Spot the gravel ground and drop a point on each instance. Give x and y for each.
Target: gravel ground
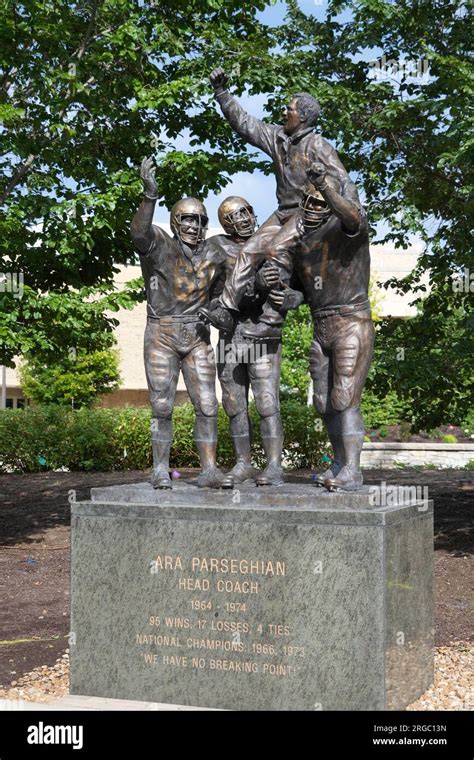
(453, 687)
(43, 684)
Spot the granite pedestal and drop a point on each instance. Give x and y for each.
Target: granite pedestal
(285, 598)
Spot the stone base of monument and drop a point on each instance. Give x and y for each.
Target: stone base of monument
(286, 598)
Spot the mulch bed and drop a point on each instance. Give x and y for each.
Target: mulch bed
(34, 557)
(402, 434)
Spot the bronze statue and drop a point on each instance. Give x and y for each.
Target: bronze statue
(327, 245)
(180, 275)
(293, 147)
(242, 363)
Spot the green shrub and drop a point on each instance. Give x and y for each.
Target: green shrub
(305, 436)
(297, 336)
(75, 379)
(449, 438)
(405, 431)
(468, 424)
(53, 437)
(381, 413)
(431, 433)
(434, 375)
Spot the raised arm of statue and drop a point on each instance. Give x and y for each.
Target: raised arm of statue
(347, 210)
(335, 167)
(143, 234)
(253, 130)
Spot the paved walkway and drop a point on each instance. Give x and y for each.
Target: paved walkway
(73, 702)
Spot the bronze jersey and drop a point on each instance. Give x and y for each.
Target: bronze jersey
(179, 280)
(332, 265)
(251, 304)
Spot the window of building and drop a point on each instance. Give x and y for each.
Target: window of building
(15, 403)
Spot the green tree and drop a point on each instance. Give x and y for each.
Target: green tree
(76, 380)
(408, 137)
(87, 89)
(406, 134)
(431, 373)
(297, 336)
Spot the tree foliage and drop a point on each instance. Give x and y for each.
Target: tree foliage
(431, 373)
(407, 135)
(87, 89)
(76, 380)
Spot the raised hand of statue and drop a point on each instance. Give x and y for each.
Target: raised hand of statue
(147, 176)
(218, 80)
(317, 173)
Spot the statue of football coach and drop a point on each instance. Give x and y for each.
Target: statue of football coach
(293, 147)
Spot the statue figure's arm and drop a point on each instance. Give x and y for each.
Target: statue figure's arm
(143, 234)
(348, 211)
(335, 167)
(253, 130)
(286, 299)
(218, 285)
(282, 296)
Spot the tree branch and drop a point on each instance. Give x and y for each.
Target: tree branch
(90, 30)
(17, 177)
(25, 168)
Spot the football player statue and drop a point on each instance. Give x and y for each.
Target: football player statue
(180, 273)
(243, 363)
(328, 249)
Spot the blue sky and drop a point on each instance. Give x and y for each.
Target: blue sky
(274, 15)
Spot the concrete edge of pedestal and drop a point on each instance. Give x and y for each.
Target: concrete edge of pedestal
(236, 513)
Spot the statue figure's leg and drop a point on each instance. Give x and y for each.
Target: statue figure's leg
(199, 372)
(352, 346)
(162, 372)
(232, 370)
(320, 365)
(264, 375)
(277, 251)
